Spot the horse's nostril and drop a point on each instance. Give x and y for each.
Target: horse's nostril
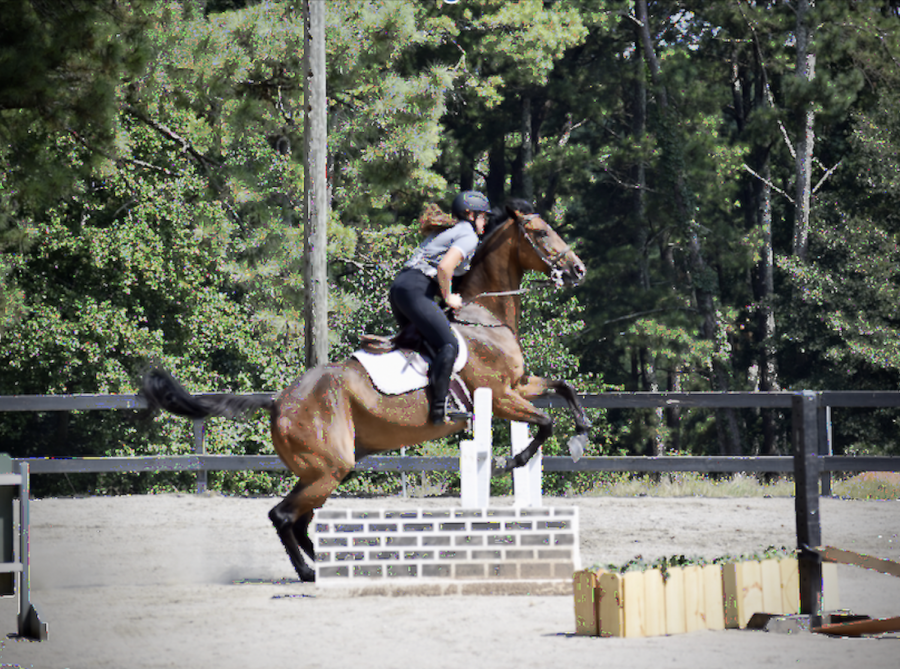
(574, 274)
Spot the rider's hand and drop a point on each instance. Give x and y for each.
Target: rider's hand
(454, 301)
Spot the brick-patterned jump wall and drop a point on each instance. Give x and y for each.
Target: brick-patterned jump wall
(412, 546)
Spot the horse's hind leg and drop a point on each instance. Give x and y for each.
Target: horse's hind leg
(293, 530)
(312, 432)
(300, 528)
(293, 515)
(282, 515)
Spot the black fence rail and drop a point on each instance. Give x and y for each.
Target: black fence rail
(810, 413)
(201, 462)
(415, 463)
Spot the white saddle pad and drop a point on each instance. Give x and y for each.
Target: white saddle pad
(402, 371)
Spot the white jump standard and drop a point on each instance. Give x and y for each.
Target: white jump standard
(15, 570)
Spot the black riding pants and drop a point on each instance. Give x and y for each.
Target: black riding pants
(412, 301)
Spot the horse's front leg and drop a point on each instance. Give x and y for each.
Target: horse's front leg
(513, 407)
(535, 386)
(532, 387)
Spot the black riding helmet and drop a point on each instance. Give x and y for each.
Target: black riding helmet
(469, 200)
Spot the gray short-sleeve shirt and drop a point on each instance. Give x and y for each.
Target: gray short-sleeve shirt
(430, 252)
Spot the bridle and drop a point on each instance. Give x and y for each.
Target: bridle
(553, 262)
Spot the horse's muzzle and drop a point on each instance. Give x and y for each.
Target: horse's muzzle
(573, 273)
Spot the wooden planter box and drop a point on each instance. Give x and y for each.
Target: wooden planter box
(710, 597)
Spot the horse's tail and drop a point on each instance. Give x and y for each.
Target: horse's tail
(162, 391)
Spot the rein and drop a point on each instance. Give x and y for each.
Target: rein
(520, 291)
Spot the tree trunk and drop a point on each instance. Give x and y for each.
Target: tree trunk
(642, 238)
(673, 413)
(522, 184)
(768, 368)
(467, 174)
(703, 279)
(764, 272)
(496, 178)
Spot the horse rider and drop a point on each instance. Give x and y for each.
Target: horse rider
(444, 254)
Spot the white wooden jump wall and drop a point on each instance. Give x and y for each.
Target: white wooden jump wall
(471, 547)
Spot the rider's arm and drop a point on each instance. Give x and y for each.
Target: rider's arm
(445, 269)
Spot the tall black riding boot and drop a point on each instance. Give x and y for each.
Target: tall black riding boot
(439, 376)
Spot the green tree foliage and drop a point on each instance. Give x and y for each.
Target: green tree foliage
(62, 67)
(177, 238)
(152, 173)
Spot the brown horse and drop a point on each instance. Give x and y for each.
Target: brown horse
(333, 416)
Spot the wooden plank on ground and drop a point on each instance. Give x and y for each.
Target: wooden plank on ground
(654, 603)
(714, 597)
(831, 593)
(634, 604)
(694, 602)
(790, 586)
(831, 554)
(860, 627)
(770, 575)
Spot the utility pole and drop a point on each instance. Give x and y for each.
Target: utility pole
(806, 72)
(315, 185)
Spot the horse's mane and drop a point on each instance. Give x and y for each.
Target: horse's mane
(500, 215)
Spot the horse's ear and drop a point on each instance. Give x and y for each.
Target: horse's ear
(513, 213)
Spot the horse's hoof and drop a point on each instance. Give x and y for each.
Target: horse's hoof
(576, 446)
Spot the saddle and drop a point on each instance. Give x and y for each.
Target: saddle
(399, 364)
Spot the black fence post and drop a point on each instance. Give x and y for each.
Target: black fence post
(805, 428)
